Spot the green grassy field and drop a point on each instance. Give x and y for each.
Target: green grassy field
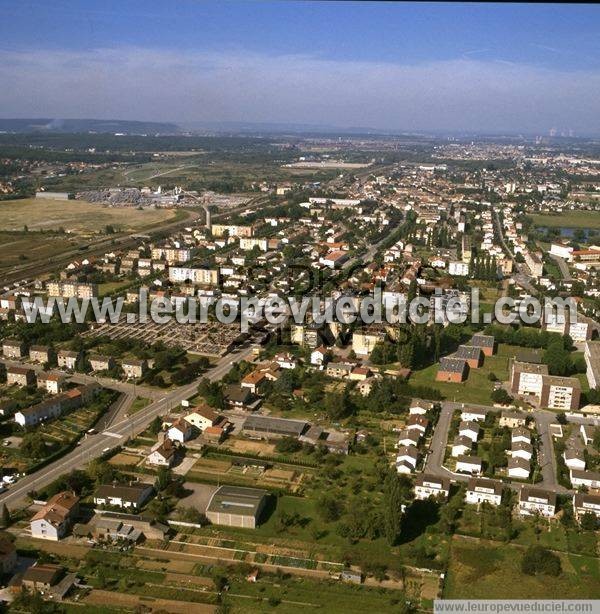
(569, 219)
(487, 570)
(477, 388)
(76, 216)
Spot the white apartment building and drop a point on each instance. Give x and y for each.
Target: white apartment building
(195, 276)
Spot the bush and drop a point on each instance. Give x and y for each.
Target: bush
(538, 560)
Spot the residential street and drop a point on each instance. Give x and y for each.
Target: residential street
(94, 446)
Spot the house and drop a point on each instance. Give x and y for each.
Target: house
(487, 343)
(521, 449)
(285, 360)
(339, 369)
(202, 417)
(21, 376)
(430, 486)
(236, 506)
(574, 458)
(589, 479)
(512, 419)
(236, 396)
(452, 370)
(52, 382)
(587, 433)
(131, 495)
(42, 578)
(518, 468)
(408, 438)
(13, 348)
(408, 454)
(584, 503)
(520, 435)
(214, 434)
(318, 356)
(469, 464)
(404, 467)
(534, 501)
(360, 373)
(54, 519)
(162, 454)
(101, 363)
(255, 381)
(417, 423)
(69, 360)
(180, 431)
(419, 407)
(365, 386)
(471, 414)
(482, 490)
(461, 445)
(473, 356)
(134, 369)
(40, 353)
(8, 555)
(469, 429)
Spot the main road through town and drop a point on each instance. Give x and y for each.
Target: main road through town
(94, 446)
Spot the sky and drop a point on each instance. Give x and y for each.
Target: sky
(436, 67)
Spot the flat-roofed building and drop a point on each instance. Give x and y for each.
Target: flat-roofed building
(236, 506)
(266, 427)
(563, 393)
(527, 377)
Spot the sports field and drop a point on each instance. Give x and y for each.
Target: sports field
(76, 216)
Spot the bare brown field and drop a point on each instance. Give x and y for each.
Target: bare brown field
(76, 216)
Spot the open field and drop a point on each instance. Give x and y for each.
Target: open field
(76, 216)
(477, 388)
(569, 219)
(488, 570)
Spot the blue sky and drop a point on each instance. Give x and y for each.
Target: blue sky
(512, 67)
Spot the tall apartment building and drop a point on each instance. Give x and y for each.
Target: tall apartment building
(203, 276)
(232, 230)
(527, 378)
(561, 393)
(71, 289)
(592, 359)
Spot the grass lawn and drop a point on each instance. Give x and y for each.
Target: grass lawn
(477, 388)
(138, 404)
(486, 570)
(569, 219)
(75, 216)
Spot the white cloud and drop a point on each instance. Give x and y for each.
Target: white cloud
(152, 84)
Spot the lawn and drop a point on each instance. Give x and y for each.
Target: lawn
(569, 219)
(76, 216)
(486, 570)
(478, 387)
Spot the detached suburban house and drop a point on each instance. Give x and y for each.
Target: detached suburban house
(132, 495)
(518, 468)
(574, 458)
(180, 431)
(419, 407)
(54, 519)
(469, 429)
(473, 415)
(13, 348)
(162, 454)
(461, 445)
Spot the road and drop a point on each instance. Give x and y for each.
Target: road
(95, 446)
(547, 461)
(81, 378)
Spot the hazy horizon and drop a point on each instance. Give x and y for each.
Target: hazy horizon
(445, 68)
